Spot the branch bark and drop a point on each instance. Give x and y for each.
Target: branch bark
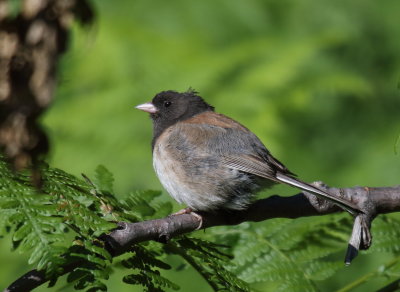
(370, 201)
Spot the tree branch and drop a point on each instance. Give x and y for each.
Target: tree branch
(370, 201)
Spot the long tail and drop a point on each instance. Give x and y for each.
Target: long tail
(352, 209)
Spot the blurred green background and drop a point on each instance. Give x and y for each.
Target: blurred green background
(317, 81)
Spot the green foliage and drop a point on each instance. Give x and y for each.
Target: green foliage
(28, 215)
(146, 263)
(287, 255)
(386, 231)
(396, 145)
(209, 261)
(62, 222)
(295, 254)
(104, 179)
(42, 220)
(386, 235)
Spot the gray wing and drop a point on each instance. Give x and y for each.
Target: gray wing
(242, 150)
(235, 148)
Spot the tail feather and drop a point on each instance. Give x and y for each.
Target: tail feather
(352, 209)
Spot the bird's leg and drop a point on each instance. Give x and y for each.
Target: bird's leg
(186, 210)
(190, 211)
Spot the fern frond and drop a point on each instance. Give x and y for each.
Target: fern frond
(147, 262)
(283, 250)
(104, 179)
(208, 260)
(386, 230)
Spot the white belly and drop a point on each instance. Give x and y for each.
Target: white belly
(167, 172)
(185, 191)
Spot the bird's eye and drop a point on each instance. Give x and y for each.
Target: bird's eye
(167, 103)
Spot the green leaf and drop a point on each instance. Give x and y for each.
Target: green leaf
(22, 232)
(104, 179)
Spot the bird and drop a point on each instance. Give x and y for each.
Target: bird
(210, 162)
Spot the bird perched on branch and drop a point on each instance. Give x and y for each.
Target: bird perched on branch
(210, 162)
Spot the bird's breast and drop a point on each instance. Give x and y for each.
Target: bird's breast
(172, 174)
(195, 175)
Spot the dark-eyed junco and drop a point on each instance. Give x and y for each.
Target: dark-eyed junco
(210, 162)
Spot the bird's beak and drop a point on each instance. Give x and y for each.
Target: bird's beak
(147, 107)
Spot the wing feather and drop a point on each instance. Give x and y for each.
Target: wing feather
(238, 148)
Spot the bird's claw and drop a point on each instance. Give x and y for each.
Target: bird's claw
(190, 211)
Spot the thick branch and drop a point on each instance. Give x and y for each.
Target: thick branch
(370, 201)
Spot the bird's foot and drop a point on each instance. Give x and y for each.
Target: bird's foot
(190, 211)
